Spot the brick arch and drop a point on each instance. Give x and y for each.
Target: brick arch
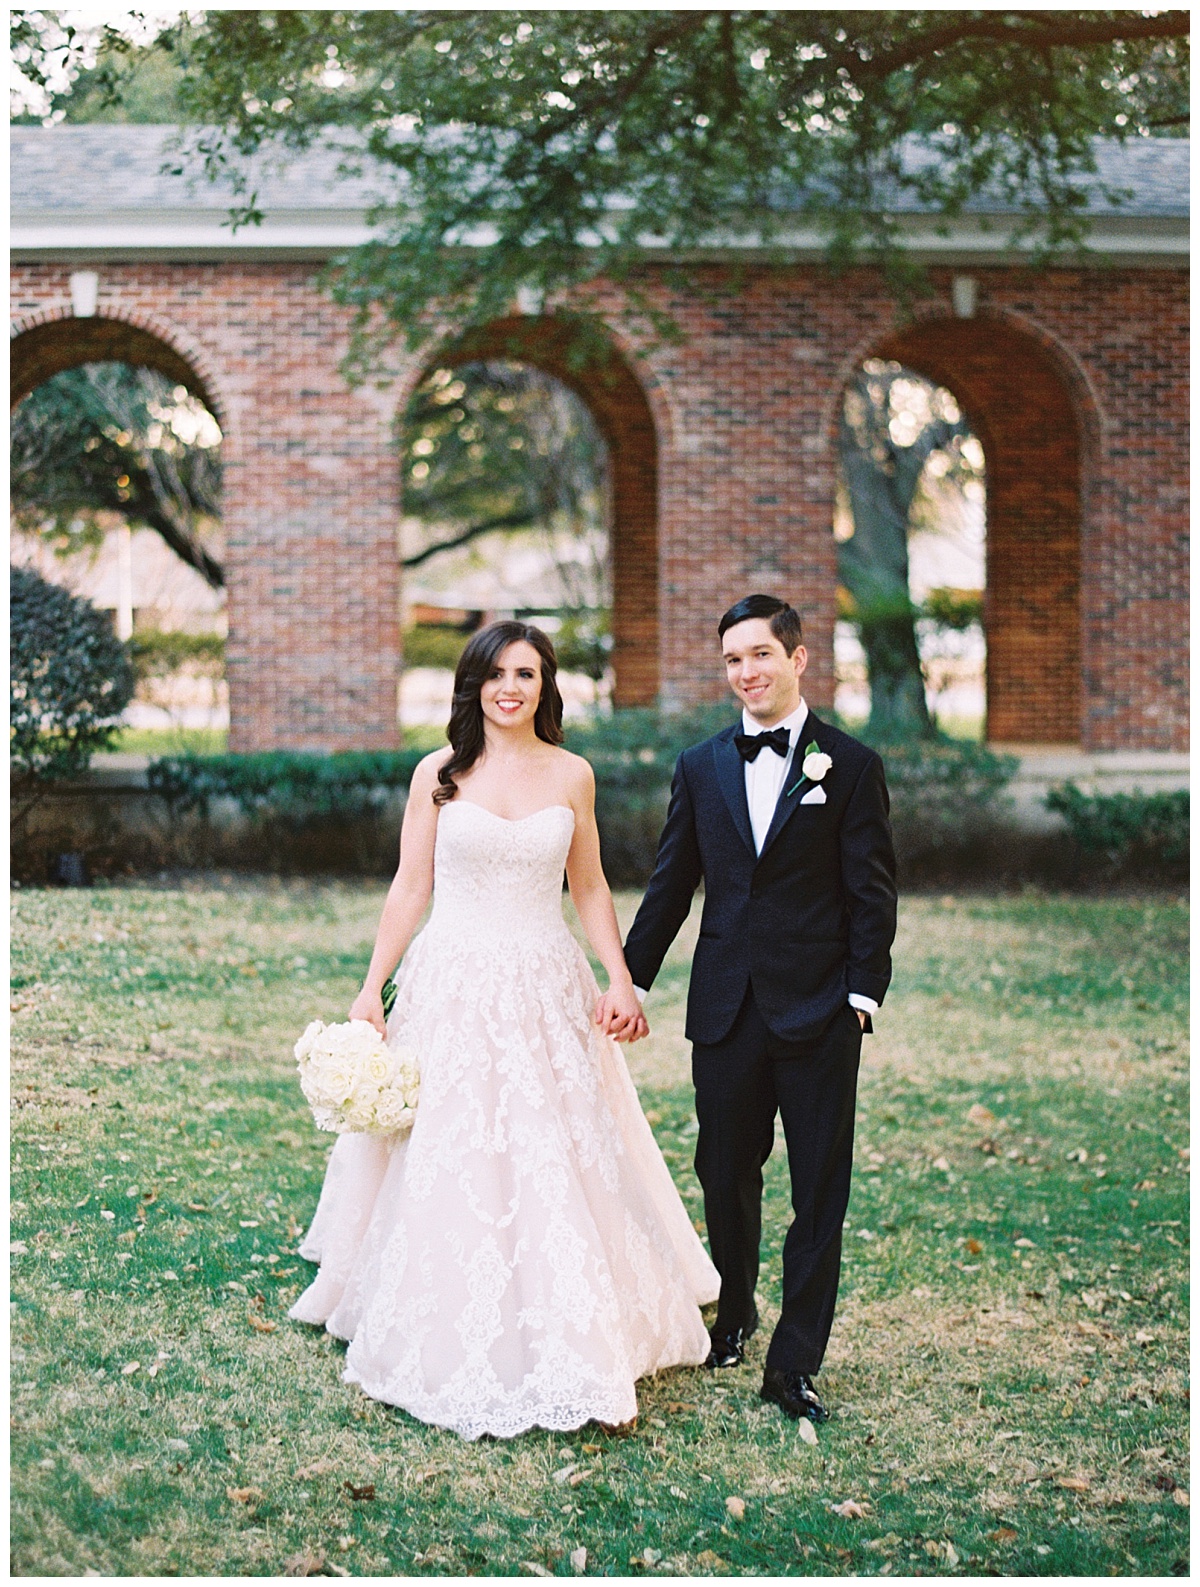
(46, 344)
(1038, 424)
(621, 406)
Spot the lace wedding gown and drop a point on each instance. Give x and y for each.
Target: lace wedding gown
(523, 1256)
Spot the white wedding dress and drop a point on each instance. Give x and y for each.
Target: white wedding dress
(523, 1257)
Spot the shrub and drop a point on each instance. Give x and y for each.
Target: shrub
(426, 645)
(70, 680)
(946, 793)
(1127, 828)
(633, 754)
(292, 787)
(160, 653)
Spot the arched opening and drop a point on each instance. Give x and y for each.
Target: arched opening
(616, 401)
(116, 494)
(505, 513)
(910, 525)
(39, 351)
(1023, 411)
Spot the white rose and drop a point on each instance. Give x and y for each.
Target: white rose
(305, 1045)
(378, 1069)
(816, 765)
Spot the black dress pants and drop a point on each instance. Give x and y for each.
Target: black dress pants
(741, 1082)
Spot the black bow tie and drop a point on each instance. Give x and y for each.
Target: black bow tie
(749, 744)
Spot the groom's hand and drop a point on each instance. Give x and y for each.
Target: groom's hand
(620, 1015)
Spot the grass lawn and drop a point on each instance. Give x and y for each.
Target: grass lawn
(1008, 1369)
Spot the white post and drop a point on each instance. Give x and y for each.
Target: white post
(124, 582)
(85, 289)
(963, 296)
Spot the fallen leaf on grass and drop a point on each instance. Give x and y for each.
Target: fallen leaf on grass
(675, 1408)
(1003, 1534)
(620, 1429)
(130, 1367)
(973, 1247)
(807, 1432)
(648, 1556)
(888, 1541)
(244, 1495)
(942, 1165)
(309, 1562)
(1182, 1496)
(363, 1491)
(576, 1477)
(850, 1510)
(532, 1568)
(707, 1560)
(316, 1468)
(1075, 1484)
(563, 1472)
(590, 1449)
(944, 1551)
(977, 1113)
(736, 1507)
(578, 1558)
(261, 1325)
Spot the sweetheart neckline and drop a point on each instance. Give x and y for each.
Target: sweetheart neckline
(512, 821)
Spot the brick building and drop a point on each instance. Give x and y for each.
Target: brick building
(723, 448)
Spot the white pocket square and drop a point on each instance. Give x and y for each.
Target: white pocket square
(814, 796)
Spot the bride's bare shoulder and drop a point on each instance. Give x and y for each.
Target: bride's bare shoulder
(424, 777)
(576, 772)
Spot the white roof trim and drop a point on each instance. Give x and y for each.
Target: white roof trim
(1145, 241)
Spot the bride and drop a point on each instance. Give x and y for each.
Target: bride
(523, 1257)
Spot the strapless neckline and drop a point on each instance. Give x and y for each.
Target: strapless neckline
(512, 821)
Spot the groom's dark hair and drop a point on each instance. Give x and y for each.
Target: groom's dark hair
(784, 620)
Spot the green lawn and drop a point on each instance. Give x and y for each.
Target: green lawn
(1008, 1369)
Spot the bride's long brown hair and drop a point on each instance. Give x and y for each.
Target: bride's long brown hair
(475, 667)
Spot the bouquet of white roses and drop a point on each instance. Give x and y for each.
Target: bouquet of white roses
(355, 1082)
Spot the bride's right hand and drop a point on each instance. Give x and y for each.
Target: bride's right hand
(369, 1006)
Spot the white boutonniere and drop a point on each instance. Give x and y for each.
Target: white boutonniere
(813, 768)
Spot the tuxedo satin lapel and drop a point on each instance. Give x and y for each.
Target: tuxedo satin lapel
(785, 808)
(731, 777)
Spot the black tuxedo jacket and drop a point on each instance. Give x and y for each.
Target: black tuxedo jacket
(805, 922)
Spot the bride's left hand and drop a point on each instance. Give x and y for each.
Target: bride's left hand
(619, 1014)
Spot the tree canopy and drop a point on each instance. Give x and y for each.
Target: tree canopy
(111, 438)
(534, 151)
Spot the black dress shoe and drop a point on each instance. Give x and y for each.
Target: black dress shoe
(793, 1392)
(729, 1345)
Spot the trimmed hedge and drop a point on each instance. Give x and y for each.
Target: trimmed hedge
(946, 794)
(288, 786)
(1128, 829)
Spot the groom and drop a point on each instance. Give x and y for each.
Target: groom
(785, 820)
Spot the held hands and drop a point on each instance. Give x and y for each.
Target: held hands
(619, 1014)
(369, 1006)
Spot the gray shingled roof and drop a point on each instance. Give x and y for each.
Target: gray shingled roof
(86, 169)
(62, 170)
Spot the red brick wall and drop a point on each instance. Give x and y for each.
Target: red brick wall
(724, 467)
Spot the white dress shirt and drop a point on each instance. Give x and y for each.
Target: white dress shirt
(765, 776)
(767, 772)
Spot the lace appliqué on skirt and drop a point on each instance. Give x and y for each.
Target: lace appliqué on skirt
(523, 1257)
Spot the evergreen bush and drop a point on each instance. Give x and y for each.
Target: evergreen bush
(1127, 829)
(70, 678)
